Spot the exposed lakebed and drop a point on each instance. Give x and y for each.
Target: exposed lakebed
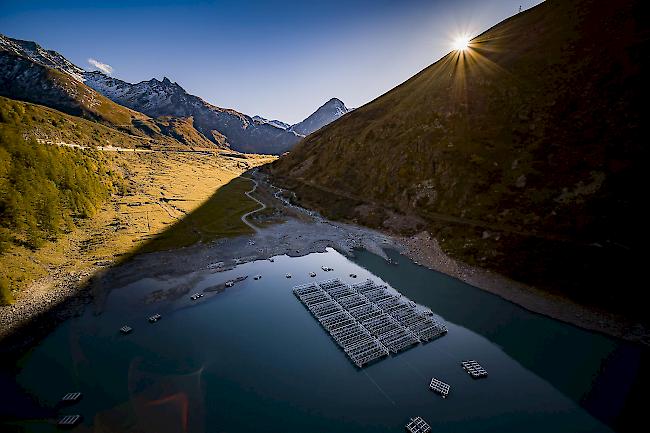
(252, 358)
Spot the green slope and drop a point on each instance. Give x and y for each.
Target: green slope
(43, 123)
(524, 154)
(45, 190)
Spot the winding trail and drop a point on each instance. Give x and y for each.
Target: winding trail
(248, 194)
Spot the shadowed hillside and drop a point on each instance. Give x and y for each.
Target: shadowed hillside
(523, 154)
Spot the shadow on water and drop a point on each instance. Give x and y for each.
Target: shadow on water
(566, 356)
(218, 217)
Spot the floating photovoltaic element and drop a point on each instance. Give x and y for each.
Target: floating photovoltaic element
(366, 320)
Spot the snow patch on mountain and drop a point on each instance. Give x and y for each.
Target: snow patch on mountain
(37, 54)
(277, 123)
(166, 98)
(326, 114)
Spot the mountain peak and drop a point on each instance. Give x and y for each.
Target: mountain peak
(336, 101)
(165, 82)
(37, 54)
(326, 113)
(157, 98)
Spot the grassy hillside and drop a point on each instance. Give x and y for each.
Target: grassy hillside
(217, 217)
(182, 129)
(44, 189)
(523, 154)
(42, 123)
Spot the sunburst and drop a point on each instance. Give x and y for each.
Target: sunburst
(461, 43)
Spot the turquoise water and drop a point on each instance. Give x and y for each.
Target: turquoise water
(253, 359)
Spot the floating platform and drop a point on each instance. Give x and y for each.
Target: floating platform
(126, 329)
(366, 320)
(439, 387)
(474, 369)
(196, 296)
(418, 425)
(69, 420)
(154, 318)
(71, 397)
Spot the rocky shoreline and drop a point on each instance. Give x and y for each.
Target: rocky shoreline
(425, 250)
(40, 308)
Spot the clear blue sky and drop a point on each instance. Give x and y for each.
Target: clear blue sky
(279, 59)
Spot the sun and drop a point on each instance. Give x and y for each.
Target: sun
(461, 43)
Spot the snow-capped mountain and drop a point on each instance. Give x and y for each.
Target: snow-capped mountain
(38, 54)
(26, 80)
(165, 98)
(326, 113)
(277, 123)
(155, 98)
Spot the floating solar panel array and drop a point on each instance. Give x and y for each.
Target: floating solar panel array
(69, 420)
(439, 387)
(418, 425)
(366, 320)
(474, 369)
(71, 397)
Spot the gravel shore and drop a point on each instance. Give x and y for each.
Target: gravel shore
(425, 250)
(44, 304)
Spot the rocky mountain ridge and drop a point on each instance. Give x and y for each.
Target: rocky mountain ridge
(166, 98)
(154, 98)
(38, 54)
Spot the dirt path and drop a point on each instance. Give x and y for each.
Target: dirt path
(248, 194)
(117, 149)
